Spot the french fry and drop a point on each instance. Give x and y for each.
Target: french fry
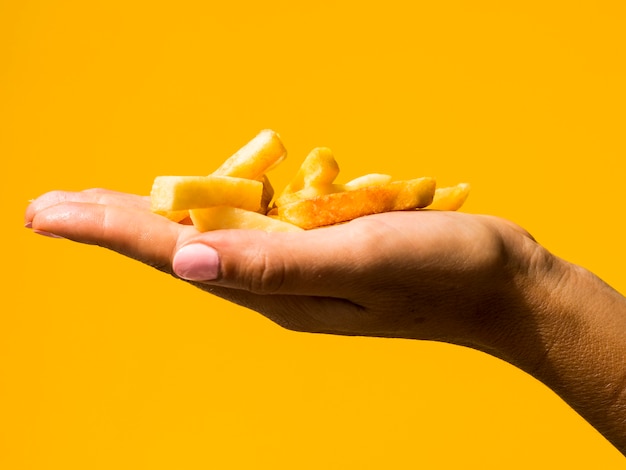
(307, 193)
(239, 194)
(315, 177)
(255, 158)
(450, 198)
(225, 217)
(347, 205)
(178, 193)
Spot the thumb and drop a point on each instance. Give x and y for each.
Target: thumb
(303, 263)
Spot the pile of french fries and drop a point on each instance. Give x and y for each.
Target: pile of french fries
(239, 194)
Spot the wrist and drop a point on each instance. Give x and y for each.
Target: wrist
(521, 321)
(569, 333)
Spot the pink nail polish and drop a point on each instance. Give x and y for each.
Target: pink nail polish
(196, 262)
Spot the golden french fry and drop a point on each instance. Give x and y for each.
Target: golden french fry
(176, 193)
(255, 158)
(450, 198)
(307, 193)
(318, 170)
(238, 194)
(225, 217)
(347, 205)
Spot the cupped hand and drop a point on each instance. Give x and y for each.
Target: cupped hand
(417, 274)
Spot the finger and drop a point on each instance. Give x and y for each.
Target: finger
(153, 240)
(96, 196)
(319, 262)
(138, 234)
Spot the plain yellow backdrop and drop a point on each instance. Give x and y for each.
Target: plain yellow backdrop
(106, 363)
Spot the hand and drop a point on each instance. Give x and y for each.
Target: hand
(420, 274)
(471, 280)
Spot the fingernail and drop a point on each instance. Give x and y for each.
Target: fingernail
(196, 262)
(28, 225)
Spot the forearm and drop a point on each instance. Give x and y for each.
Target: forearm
(580, 333)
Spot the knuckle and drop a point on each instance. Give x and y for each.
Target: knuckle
(265, 276)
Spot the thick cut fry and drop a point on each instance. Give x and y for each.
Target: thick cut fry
(318, 170)
(176, 193)
(307, 193)
(239, 194)
(450, 198)
(225, 217)
(343, 206)
(255, 158)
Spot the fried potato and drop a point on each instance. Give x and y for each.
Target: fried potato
(255, 158)
(315, 177)
(225, 217)
(239, 194)
(347, 205)
(450, 198)
(307, 193)
(178, 193)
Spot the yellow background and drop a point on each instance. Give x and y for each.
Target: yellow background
(105, 363)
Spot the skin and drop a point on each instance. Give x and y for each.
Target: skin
(471, 280)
